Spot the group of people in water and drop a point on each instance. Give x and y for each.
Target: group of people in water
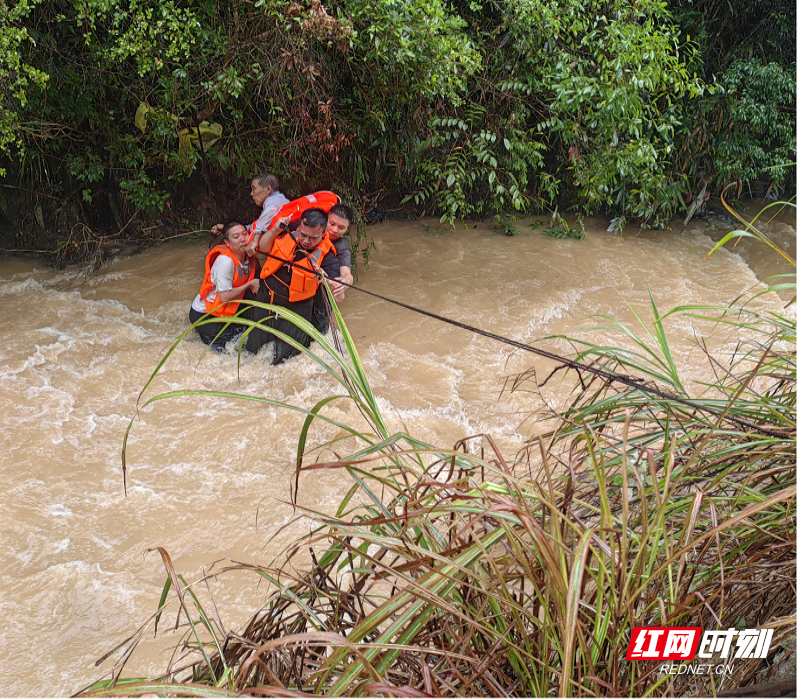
(299, 241)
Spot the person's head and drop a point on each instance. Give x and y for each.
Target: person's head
(235, 236)
(311, 230)
(262, 186)
(339, 219)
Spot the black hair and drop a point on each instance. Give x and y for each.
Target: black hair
(314, 217)
(342, 210)
(267, 180)
(226, 231)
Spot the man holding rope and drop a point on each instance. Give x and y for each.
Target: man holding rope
(339, 219)
(290, 280)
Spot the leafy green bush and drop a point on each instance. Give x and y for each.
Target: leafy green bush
(471, 108)
(757, 138)
(16, 75)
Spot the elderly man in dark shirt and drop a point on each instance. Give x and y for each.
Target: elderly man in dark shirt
(290, 281)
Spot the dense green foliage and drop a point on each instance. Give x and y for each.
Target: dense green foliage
(468, 108)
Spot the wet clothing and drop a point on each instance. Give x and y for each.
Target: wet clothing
(216, 334)
(302, 282)
(275, 289)
(271, 206)
(343, 252)
(320, 319)
(223, 272)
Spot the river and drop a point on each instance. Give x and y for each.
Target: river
(209, 479)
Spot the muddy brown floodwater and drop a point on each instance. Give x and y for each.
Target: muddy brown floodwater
(209, 479)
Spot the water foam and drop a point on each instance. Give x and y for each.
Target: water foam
(59, 510)
(62, 546)
(20, 286)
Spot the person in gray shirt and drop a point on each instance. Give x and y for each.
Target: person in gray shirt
(265, 193)
(339, 219)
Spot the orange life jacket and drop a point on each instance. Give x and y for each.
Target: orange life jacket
(303, 283)
(321, 200)
(213, 305)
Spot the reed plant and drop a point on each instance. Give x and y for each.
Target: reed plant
(459, 572)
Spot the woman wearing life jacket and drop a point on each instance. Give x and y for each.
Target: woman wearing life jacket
(291, 280)
(289, 214)
(230, 276)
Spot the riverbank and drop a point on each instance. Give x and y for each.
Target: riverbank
(97, 249)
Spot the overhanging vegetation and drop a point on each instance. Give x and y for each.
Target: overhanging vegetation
(465, 109)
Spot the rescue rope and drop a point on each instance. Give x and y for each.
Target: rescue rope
(608, 375)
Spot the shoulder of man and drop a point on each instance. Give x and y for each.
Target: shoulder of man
(279, 239)
(330, 258)
(222, 271)
(223, 262)
(276, 199)
(341, 244)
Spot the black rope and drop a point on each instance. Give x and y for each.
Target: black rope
(633, 382)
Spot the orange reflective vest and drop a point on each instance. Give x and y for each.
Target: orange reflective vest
(303, 283)
(208, 292)
(321, 200)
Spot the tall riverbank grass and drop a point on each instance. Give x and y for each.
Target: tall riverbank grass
(463, 572)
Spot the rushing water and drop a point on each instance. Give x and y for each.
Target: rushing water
(209, 479)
